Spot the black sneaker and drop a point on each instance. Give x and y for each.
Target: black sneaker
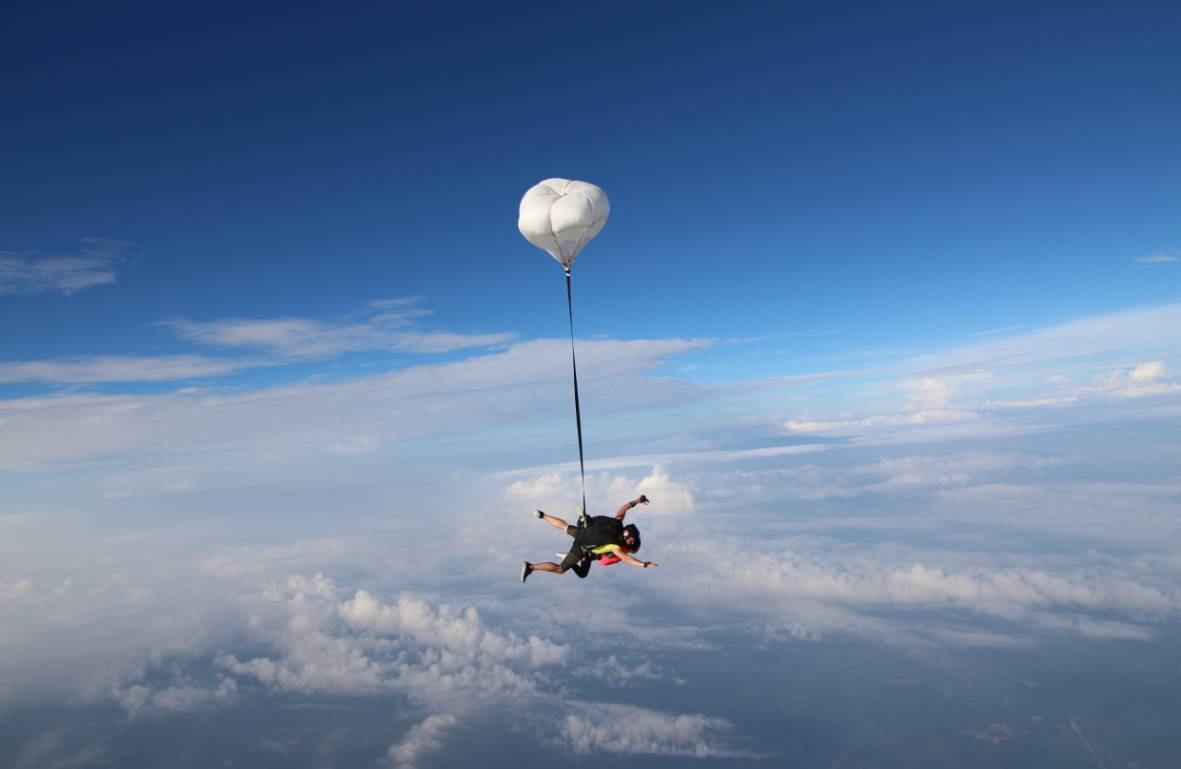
(538, 514)
(526, 570)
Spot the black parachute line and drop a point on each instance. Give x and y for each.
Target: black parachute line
(577, 407)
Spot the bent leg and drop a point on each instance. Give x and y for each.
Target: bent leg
(554, 521)
(572, 561)
(567, 563)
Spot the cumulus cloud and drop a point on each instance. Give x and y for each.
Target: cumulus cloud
(1152, 378)
(669, 496)
(617, 672)
(1145, 379)
(928, 392)
(422, 739)
(325, 642)
(187, 696)
(93, 265)
(612, 728)
(551, 491)
(459, 633)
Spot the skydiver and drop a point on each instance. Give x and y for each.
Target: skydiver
(600, 536)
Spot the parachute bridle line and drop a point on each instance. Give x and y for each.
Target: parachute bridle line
(577, 407)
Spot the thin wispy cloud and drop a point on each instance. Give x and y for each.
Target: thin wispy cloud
(526, 382)
(1161, 257)
(384, 325)
(93, 265)
(86, 370)
(993, 331)
(1117, 333)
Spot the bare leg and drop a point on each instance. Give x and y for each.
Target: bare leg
(551, 567)
(554, 521)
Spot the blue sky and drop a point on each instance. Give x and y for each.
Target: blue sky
(783, 161)
(884, 321)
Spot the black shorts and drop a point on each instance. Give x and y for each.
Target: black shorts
(575, 554)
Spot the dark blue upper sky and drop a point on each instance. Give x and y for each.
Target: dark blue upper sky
(915, 171)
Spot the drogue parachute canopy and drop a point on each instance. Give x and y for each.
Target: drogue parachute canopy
(561, 216)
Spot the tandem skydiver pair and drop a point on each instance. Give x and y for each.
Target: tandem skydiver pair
(602, 537)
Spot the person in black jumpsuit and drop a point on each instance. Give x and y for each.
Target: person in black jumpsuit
(600, 535)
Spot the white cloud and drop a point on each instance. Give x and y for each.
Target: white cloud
(903, 593)
(69, 638)
(928, 392)
(1118, 333)
(165, 368)
(669, 497)
(393, 638)
(551, 492)
(616, 672)
(422, 739)
(323, 642)
(460, 633)
(186, 696)
(1147, 372)
(612, 728)
(933, 413)
(851, 426)
(741, 488)
(229, 431)
(1161, 257)
(994, 331)
(385, 325)
(1152, 378)
(553, 471)
(93, 265)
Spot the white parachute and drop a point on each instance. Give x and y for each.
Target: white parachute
(560, 217)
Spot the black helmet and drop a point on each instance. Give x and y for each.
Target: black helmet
(630, 531)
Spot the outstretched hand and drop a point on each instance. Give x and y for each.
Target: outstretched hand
(643, 500)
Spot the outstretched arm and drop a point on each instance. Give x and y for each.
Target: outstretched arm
(631, 560)
(622, 511)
